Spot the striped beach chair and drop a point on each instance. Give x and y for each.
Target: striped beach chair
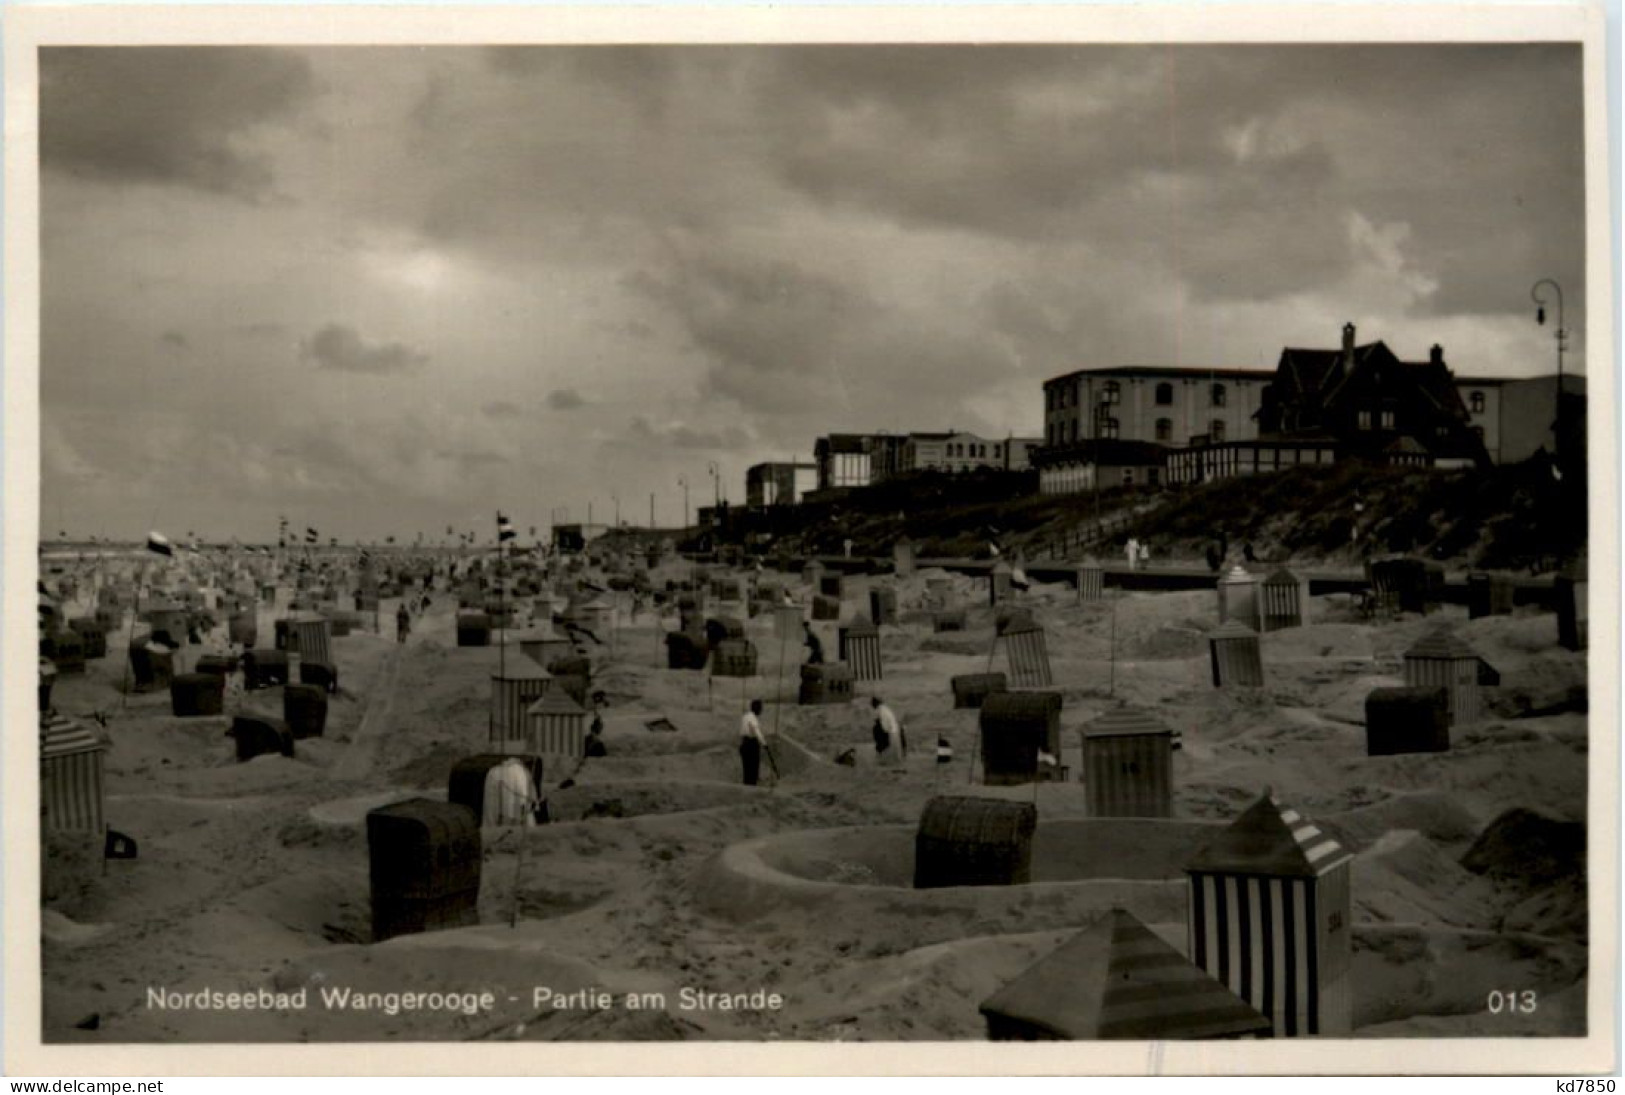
(1029, 656)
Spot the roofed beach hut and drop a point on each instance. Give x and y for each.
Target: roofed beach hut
(541, 643)
(1117, 980)
(72, 793)
(1128, 764)
(1441, 658)
(1571, 588)
(515, 688)
(860, 648)
(1236, 659)
(1269, 918)
(1285, 600)
(556, 728)
(1238, 597)
(1025, 646)
(1091, 580)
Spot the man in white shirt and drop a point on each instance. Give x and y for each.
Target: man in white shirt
(751, 742)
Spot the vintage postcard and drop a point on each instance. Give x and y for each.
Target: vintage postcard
(903, 540)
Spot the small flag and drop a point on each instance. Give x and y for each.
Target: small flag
(1046, 757)
(158, 542)
(505, 530)
(333, 541)
(118, 846)
(312, 536)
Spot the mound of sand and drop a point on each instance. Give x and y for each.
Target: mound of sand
(1528, 847)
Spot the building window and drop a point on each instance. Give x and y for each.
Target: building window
(1112, 392)
(1108, 427)
(997, 451)
(1476, 399)
(1072, 429)
(1165, 429)
(1151, 476)
(1215, 430)
(1165, 394)
(1128, 477)
(1387, 420)
(1216, 395)
(1363, 420)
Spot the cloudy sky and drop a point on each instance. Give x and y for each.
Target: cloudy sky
(383, 290)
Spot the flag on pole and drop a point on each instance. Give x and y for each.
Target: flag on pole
(311, 535)
(1046, 757)
(159, 543)
(505, 530)
(118, 846)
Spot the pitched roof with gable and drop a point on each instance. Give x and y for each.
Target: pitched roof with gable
(521, 669)
(1124, 721)
(1273, 840)
(556, 702)
(61, 736)
(1118, 980)
(1441, 642)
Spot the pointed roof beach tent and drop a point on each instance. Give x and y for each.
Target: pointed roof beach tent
(1270, 917)
(1117, 980)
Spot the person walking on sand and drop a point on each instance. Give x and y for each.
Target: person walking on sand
(403, 623)
(751, 742)
(888, 733)
(814, 645)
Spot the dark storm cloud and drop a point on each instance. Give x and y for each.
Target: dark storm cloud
(565, 399)
(165, 115)
(343, 349)
(501, 409)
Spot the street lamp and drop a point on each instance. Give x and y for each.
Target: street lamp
(615, 498)
(1536, 295)
(716, 485)
(682, 481)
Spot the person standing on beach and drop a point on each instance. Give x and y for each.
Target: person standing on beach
(403, 623)
(889, 745)
(814, 645)
(751, 742)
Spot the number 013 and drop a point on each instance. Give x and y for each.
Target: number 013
(1513, 1002)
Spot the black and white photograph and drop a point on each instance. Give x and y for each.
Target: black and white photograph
(821, 541)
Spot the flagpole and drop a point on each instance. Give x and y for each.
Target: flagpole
(124, 694)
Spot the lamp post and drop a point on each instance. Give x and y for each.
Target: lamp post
(616, 499)
(682, 481)
(716, 485)
(1539, 298)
